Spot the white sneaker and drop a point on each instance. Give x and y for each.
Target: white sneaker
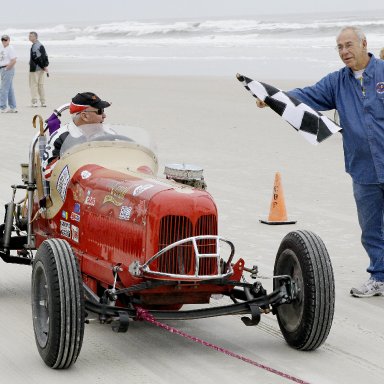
(5, 110)
(34, 105)
(43, 105)
(370, 288)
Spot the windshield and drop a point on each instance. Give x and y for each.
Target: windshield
(105, 132)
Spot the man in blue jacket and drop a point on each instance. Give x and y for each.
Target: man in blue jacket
(357, 92)
(38, 67)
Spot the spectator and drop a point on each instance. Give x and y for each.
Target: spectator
(356, 91)
(38, 67)
(7, 70)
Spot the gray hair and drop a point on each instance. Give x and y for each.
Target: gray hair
(359, 32)
(34, 34)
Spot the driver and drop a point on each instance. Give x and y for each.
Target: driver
(85, 108)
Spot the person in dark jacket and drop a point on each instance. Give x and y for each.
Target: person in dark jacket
(38, 67)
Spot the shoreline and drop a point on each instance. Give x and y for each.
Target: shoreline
(258, 69)
(84, 68)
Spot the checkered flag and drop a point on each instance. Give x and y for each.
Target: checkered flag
(314, 126)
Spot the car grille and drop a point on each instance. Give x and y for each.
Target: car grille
(181, 259)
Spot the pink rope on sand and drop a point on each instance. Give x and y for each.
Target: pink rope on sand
(142, 314)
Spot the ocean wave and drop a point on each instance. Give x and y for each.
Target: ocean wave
(231, 28)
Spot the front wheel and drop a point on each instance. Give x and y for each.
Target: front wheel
(57, 304)
(306, 321)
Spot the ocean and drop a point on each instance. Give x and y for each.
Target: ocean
(284, 46)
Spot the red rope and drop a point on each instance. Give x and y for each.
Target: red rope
(143, 314)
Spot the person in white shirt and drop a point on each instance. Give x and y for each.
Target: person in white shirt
(7, 72)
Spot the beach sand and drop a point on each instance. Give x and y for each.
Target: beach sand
(212, 122)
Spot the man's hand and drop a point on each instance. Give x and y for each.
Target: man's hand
(261, 103)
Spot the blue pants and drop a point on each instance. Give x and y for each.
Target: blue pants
(7, 95)
(370, 210)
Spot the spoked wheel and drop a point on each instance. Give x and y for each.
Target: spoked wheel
(57, 304)
(305, 322)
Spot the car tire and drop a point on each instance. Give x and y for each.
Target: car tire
(57, 304)
(306, 321)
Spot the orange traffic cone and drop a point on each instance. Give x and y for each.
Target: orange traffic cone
(277, 211)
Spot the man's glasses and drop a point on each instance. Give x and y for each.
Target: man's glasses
(99, 111)
(4, 39)
(348, 46)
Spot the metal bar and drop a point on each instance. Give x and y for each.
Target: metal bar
(188, 277)
(31, 182)
(218, 250)
(197, 257)
(15, 259)
(232, 309)
(9, 220)
(145, 268)
(90, 295)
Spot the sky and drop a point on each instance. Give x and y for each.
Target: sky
(17, 12)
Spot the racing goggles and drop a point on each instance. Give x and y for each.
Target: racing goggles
(99, 111)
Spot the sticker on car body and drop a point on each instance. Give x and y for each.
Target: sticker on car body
(75, 233)
(75, 216)
(65, 228)
(141, 188)
(117, 194)
(85, 174)
(62, 182)
(125, 213)
(76, 208)
(89, 199)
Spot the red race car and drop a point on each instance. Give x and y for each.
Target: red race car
(107, 235)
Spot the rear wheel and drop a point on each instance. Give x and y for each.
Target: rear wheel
(57, 304)
(305, 322)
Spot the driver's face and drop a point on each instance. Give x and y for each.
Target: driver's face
(93, 116)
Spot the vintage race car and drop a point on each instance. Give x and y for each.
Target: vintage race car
(108, 236)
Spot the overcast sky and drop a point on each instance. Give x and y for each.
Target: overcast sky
(22, 11)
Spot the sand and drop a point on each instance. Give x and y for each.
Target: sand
(212, 122)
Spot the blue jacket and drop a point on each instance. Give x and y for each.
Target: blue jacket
(361, 116)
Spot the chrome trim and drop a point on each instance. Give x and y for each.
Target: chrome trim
(31, 189)
(145, 268)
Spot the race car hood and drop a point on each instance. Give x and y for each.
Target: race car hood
(122, 157)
